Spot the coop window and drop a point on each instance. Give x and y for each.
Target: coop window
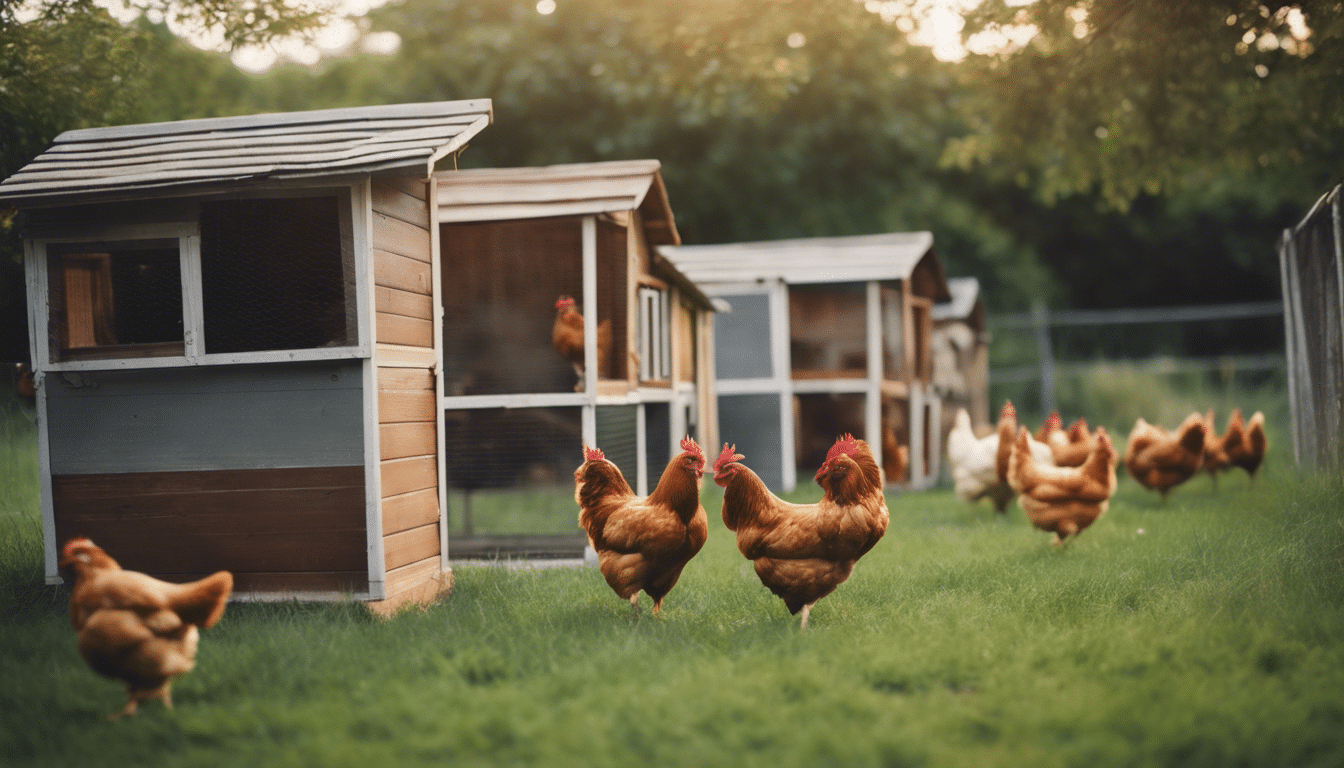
(276, 273)
(115, 299)
(655, 354)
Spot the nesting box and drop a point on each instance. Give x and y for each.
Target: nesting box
(826, 336)
(960, 346)
(235, 350)
(527, 377)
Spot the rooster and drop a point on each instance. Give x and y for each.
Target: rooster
(567, 337)
(642, 543)
(1063, 500)
(802, 552)
(135, 628)
(974, 460)
(1161, 460)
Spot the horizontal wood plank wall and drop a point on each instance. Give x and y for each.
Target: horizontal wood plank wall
(295, 529)
(407, 404)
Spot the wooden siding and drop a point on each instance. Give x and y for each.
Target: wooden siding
(407, 401)
(275, 529)
(206, 418)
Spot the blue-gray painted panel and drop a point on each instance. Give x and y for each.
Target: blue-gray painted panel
(742, 338)
(751, 422)
(225, 417)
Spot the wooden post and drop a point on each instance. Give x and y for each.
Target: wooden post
(641, 451)
(589, 236)
(1041, 320)
(1334, 453)
(872, 421)
(780, 331)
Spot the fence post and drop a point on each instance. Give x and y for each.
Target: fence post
(1041, 320)
(1293, 357)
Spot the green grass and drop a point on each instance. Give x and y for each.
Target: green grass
(1208, 630)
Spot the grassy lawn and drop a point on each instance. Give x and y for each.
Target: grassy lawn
(1206, 631)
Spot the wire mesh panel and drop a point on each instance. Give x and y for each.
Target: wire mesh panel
(115, 299)
(657, 440)
(893, 332)
(819, 420)
(276, 273)
(828, 333)
(742, 338)
(751, 422)
(511, 471)
(617, 437)
(502, 329)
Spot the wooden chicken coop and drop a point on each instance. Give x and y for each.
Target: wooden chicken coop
(960, 345)
(826, 336)
(234, 347)
(514, 241)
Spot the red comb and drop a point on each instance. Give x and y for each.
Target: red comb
(70, 545)
(688, 445)
(729, 455)
(564, 301)
(1008, 410)
(1053, 422)
(845, 445)
(592, 454)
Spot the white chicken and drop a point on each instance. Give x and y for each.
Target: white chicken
(976, 470)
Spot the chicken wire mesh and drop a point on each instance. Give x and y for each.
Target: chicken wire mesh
(276, 273)
(617, 437)
(500, 284)
(114, 294)
(752, 423)
(742, 338)
(657, 440)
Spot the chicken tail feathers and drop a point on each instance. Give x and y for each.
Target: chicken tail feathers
(202, 602)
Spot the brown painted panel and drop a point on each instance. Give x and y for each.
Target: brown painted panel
(406, 475)
(396, 407)
(409, 185)
(397, 302)
(402, 273)
(331, 581)
(405, 379)
(410, 510)
(266, 520)
(396, 236)
(411, 546)
(399, 205)
(414, 438)
(409, 331)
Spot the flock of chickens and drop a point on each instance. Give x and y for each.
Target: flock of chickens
(144, 632)
(1064, 478)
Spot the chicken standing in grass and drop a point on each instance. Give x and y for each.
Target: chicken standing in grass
(1161, 460)
(642, 542)
(1063, 500)
(567, 337)
(802, 552)
(1245, 443)
(135, 628)
(1071, 446)
(974, 460)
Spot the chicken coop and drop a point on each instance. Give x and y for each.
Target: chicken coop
(562, 326)
(825, 336)
(234, 348)
(960, 344)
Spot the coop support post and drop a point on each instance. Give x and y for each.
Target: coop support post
(1335, 451)
(589, 238)
(779, 342)
(642, 451)
(1290, 339)
(362, 237)
(872, 416)
(1040, 318)
(34, 272)
(436, 288)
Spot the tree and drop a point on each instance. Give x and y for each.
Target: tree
(1133, 97)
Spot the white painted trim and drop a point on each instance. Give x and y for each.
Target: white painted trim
(193, 297)
(641, 452)
(916, 403)
(832, 386)
(589, 239)
(724, 289)
(872, 417)
(544, 400)
(37, 305)
(436, 272)
(783, 369)
(362, 240)
(747, 386)
(231, 358)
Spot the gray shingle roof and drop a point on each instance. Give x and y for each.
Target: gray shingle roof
(131, 159)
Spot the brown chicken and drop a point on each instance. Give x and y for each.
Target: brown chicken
(1215, 453)
(1051, 423)
(135, 628)
(1007, 432)
(1063, 500)
(567, 336)
(1161, 460)
(642, 542)
(1246, 444)
(802, 552)
(1071, 446)
(895, 457)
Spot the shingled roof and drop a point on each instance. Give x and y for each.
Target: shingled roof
(134, 159)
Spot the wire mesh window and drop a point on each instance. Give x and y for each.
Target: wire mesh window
(752, 423)
(618, 438)
(511, 470)
(818, 421)
(115, 299)
(893, 333)
(657, 440)
(828, 329)
(503, 331)
(742, 338)
(277, 273)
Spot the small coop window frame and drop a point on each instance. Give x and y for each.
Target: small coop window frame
(350, 201)
(655, 338)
